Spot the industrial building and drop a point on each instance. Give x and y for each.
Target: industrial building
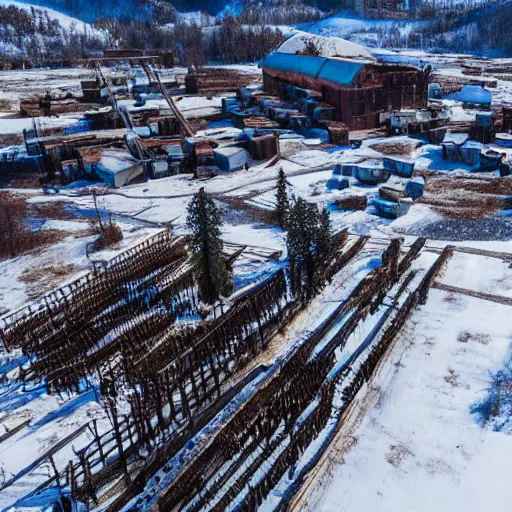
(360, 90)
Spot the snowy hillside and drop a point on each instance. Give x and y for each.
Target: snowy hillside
(65, 21)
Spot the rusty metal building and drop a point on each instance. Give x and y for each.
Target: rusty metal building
(359, 90)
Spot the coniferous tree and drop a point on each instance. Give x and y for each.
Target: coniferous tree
(301, 241)
(211, 269)
(324, 234)
(282, 201)
(323, 244)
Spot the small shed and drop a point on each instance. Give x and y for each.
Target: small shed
(263, 147)
(231, 158)
(399, 167)
(338, 133)
(371, 172)
(117, 167)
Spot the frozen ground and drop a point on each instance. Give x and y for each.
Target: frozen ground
(419, 438)
(16, 85)
(418, 447)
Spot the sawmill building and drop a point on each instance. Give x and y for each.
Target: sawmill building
(360, 90)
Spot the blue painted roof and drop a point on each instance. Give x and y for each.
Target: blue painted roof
(338, 71)
(292, 63)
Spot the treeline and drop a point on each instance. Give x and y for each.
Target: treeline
(484, 31)
(278, 12)
(480, 31)
(31, 38)
(229, 42)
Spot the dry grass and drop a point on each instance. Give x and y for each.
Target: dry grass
(479, 337)
(52, 210)
(109, 235)
(453, 203)
(480, 185)
(41, 280)
(32, 182)
(452, 378)
(6, 105)
(397, 454)
(11, 140)
(16, 237)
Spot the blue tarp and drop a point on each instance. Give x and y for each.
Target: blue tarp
(387, 209)
(472, 94)
(335, 183)
(414, 188)
(338, 71)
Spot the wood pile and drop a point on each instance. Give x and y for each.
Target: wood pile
(259, 122)
(475, 197)
(35, 108)
(352, 202)
(210, 81)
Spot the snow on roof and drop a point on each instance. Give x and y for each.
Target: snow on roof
(115, 160)
(229, 150)
(328, 46)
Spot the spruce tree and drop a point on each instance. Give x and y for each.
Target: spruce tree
(324, 234)
(211, 269)
(301, 243)
(282, 202)
(323, 245)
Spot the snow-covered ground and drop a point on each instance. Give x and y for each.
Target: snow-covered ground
(418, 440)
(411, 443)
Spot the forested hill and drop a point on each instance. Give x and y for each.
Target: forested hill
(91, 10)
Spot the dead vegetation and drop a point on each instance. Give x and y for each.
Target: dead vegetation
(452, 378)
(51, 210)
(6, 105)
(478, 184)
(397, 454)
(479, 337)
(465, 198)
(16, 236)
(109, 232)
(41, 280)
(11, 140)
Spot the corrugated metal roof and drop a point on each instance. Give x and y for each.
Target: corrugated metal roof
(304, 64)
(338, 71)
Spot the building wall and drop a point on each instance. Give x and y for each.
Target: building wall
(378, 89)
